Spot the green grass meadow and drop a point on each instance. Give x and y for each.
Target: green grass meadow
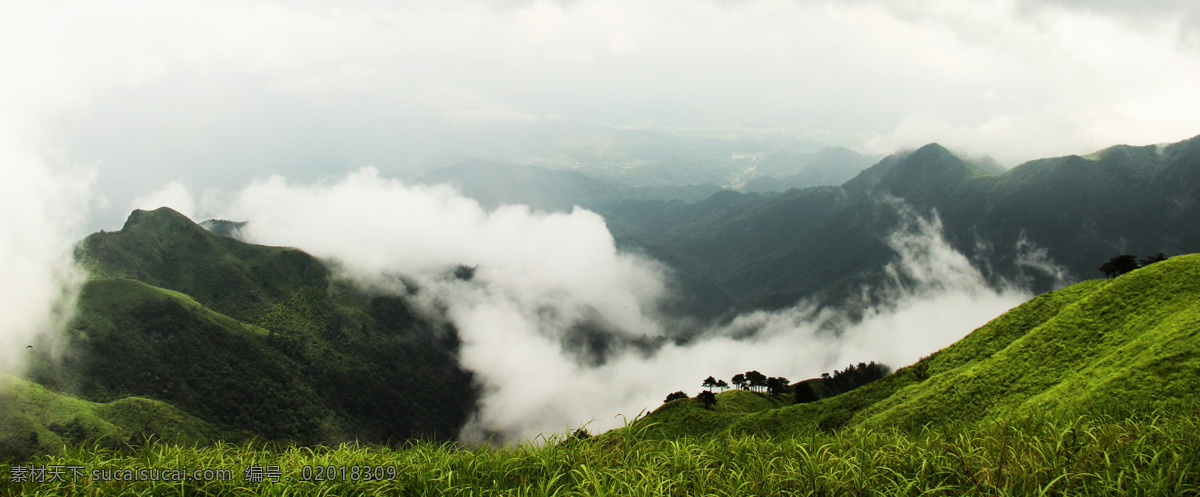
(1093, 389)
(1154, 454)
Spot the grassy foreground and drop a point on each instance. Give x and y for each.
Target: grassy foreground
(1153, 454)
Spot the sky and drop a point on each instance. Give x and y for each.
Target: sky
(107, 107)
(215, 94)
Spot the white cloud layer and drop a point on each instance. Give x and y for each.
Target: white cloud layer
(539, 275)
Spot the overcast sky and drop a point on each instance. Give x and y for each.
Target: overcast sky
(215, 93)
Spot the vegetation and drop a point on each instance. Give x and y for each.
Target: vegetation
(1152, 454)
(1072, 210)
(1070, 352)
(1087, 390)
(1125, 263)
(255, 340)
(37, 420)
(676, 396)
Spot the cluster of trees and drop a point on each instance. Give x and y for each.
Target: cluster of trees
(828, 385)
(705, 397)
(711, 383)
(758, 382)
(1125, 263)
(854, 376)
(750, 380)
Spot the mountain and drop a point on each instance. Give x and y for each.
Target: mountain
(1041, 223)
(785, 170)
(493, 184)
(263, 341)
(1112, 346)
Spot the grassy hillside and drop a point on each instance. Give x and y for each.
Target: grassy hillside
(166, 249)
(1120, 346)
(34, 420)
(1090, 390)
(1153, 455)
(259, 340)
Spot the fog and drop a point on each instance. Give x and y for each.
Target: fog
(270, 111)
(215, 94)
(42, 214)
(540, 275)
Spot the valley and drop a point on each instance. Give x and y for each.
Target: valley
(186, 339)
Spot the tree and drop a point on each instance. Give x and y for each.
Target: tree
(722, 385)
(803, 392)
(707, 398)
(1119, 265)
(756, 379)
(854, 376)
(739, 381)
(709, 383)
(675, 396)
(1159, 257)
(777, 386)
(1108, 269)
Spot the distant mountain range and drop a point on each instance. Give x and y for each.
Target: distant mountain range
(182, 330)
(1073, 212)
(1042, 224)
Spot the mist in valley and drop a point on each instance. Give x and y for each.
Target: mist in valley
(312, 122)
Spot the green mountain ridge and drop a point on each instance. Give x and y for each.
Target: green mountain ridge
(252, 341)
(1135, 338)
(1035, 225)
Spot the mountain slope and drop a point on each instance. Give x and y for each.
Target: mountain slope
(783, 170)
(261, 339)
(34, 419)
(1121, 346)
(1037, 224)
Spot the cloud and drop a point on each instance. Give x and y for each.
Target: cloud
(41, 212)
(218, 93)
(175, 195)
(541, 278)
(459, 106)
(621, 43)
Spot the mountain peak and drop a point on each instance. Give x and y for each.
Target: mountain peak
(160, 217)
(931, 151)
(935, 161)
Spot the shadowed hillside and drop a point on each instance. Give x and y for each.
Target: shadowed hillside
(264, 340)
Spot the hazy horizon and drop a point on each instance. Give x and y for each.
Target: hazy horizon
(214, 95)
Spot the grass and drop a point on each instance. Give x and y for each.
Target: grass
(1157, 453)
(252, 339)
(1135, 338)
(1089, 390)
(35, 419)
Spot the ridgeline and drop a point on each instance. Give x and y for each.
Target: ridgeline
(1117, 346)
(248, 340)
